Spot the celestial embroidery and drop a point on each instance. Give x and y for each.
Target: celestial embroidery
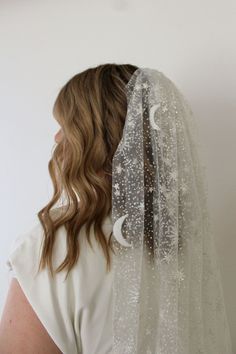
(167, 292)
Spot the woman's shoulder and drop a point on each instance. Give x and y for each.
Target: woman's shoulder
(28, 244)
(50, 298)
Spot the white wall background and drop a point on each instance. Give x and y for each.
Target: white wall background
(44, 43)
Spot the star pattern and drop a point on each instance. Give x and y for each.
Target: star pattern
(158, 172)
(119, 169)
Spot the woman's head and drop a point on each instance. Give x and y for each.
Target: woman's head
(91, 110)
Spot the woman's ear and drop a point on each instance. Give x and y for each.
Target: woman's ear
(59, 136)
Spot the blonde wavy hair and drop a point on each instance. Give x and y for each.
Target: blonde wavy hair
(91, 109)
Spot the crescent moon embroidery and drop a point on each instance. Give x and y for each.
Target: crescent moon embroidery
(118, 233)
(152, 112)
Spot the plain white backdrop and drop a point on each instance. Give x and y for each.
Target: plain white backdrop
(44, 43)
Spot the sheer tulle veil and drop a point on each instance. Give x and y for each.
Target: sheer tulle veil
(168, 296)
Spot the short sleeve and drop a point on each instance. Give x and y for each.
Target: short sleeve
(50, 298)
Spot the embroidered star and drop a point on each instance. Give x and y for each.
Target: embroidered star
(119, 168)
(126, 143)
(129, 224)
(145, 85)
(168, 258)
(134, 296)
(184, 187)
(173, 175)
(131, 123)
(163, 189)
(164, 109)
(141, 205)
(180, 275)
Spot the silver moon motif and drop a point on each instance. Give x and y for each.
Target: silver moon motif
(152, 112)
(118, 233)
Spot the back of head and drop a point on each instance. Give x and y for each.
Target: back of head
(91, 110)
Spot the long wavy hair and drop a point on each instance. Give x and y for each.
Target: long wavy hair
(91, 110)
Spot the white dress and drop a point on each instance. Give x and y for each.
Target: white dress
(76, 312)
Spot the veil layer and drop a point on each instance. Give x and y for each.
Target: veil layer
(168, 297)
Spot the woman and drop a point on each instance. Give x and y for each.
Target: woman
(132, 234)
